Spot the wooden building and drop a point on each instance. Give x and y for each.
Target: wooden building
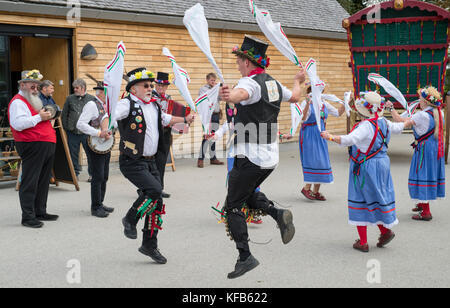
(49, 35)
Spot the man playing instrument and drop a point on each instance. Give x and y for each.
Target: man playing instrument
(93, 122)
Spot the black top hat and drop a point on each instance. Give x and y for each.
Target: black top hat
(255, 50)
(162, 78)
(138, 75)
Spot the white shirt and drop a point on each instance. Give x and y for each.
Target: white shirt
(422, 121)
(151, 120)
(362, 136)
(263, 155)
(89, 113)
(20, 117)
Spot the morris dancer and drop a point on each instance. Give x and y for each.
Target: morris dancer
(94, 121)
(257, 98)
(141, 123)
(371, 197)
(426, 182)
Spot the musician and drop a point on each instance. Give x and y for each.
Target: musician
(94, 121)
(257, 98)
(35, 141)
(141, 123)
(161, 85)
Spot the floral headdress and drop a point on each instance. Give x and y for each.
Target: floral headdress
(431, 95)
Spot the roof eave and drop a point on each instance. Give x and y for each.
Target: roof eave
(90, 13)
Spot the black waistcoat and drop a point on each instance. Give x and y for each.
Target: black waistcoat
(257, 123)
(132, 131)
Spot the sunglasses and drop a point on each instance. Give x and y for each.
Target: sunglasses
(33, 87)
(147, 85)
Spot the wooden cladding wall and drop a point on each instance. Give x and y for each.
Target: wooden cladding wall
(144, 44)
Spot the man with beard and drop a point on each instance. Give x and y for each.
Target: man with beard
(141, 123)
(71, 113)
(35, 141)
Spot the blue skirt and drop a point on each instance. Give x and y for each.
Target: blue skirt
(426, 180)
(371, 197)
(314, 156)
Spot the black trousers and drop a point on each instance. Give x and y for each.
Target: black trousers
(161, 157)
(209, 143)
(37, 163)
(74, 141)
(144, 174)
(244, 178)
(100, 172)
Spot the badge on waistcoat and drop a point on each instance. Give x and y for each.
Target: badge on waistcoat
(138, 119)
(272, 91)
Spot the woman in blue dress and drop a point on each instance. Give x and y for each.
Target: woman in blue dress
(314, 150)
(426, 181)
(371, 197)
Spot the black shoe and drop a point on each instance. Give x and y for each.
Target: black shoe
(129, 230)
(154, 254)
(243, 267)
(32, 223)
(165, 195)
(47, 217)
(99, 212)
(286, 226)
(107, 209)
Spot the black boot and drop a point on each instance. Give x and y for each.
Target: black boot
(99, 212)
(150, 245)
(130, 221)
(243, 267)
(287, 229)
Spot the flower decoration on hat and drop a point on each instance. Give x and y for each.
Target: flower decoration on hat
(34, 74)
(250, 53)
(142, 75)
(431, 95)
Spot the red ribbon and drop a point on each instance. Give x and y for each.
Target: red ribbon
(257, 71)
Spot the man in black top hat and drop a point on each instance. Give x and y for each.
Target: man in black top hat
(257, 98)
(161, 85)
(141, 122)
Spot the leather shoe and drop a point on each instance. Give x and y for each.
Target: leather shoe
(200, 163)
(47, 217)
(287, 229)
(107, 209)
(364, 248)
(308, 194)
(154, 254)
(99, 212)
(216, 162)
(165, 195)
(385, 238)
(32, 223)
(129, 230)
(243, 267)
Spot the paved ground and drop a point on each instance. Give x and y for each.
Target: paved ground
(198, 251)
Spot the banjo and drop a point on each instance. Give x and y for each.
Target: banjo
(101, 145)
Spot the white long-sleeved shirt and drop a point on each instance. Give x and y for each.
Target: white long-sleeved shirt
(150, 112)
(362, 136)
(89, 113)
(20, 117)
(263, 155)
(422, 121)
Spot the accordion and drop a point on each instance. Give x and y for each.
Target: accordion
(178, 110)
